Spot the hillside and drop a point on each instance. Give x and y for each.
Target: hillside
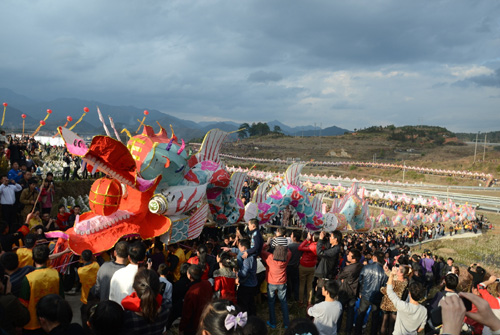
(367, 146)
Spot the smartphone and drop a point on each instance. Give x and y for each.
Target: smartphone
(436, 317)
(497, 280)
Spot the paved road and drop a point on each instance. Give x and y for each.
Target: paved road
(459, 196)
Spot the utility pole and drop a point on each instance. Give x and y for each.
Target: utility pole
(484, 151)
(320, 125)
(404, 170)
(475, 148)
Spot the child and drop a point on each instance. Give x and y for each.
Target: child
(225, 278)
(280, 238)
(165, 285)
(327, 313)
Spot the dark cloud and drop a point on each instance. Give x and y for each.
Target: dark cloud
(264, 77)
(491, 80)
(317, 59)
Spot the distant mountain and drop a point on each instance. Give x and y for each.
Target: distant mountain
(13, 98)
(307, 130)
(330, 131)
(123, 117)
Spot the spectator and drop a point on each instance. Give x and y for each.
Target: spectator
(280, 238)
(371, 279)
(221, 317)
(327, 313)
(38, 283)
(292, 270)
(87, 273)
(108, 269)
(276, 264)
(105, 318)
(225, 278)
(8, 190)
(201, 259)
(177, 261)
(349, 281)
(66, 166)
(14, 314)
(123, 279)
(10, 263)
(157, 257)
(411, 316)
(197, 297)
(255, 326)
(307, 266)
(493, 302)
(400, 283)
(77, 163)
(179, 289)
(25, 254)
(301, 326)
(165, 285)
(257, 242)
(47, 196)
(247, 277)
(55, 315)
(144, 312)
(328, 254)
(28, 198)
(14, 173)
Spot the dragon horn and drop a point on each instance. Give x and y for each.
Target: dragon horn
(173, 134)
(169, 145)
(183, 145)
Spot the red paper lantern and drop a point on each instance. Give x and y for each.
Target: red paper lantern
(86, 109)
(5, 104)
(69, 119)
(23, 116)
(49, 111)
(105, 195)
(146, 112)
(42, 123)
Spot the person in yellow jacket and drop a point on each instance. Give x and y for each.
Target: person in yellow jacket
(25, 254)
(39, 283)
(88, 277)
(174, 250)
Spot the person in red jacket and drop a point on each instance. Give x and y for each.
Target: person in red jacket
(197, 297)
(225, 278)
(276, 264)
(307, 266)
(201, 259)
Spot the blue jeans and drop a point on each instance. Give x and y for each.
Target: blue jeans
(271, 299)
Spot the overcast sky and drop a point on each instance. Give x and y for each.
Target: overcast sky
(351, 64)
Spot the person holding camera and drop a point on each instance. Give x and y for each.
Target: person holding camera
(8, 190)
(14, 314)
(328, 250)
(492, 301)
(410, 316)
(371, 279)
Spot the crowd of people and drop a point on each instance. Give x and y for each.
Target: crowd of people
(325, 282)
(340, 283)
